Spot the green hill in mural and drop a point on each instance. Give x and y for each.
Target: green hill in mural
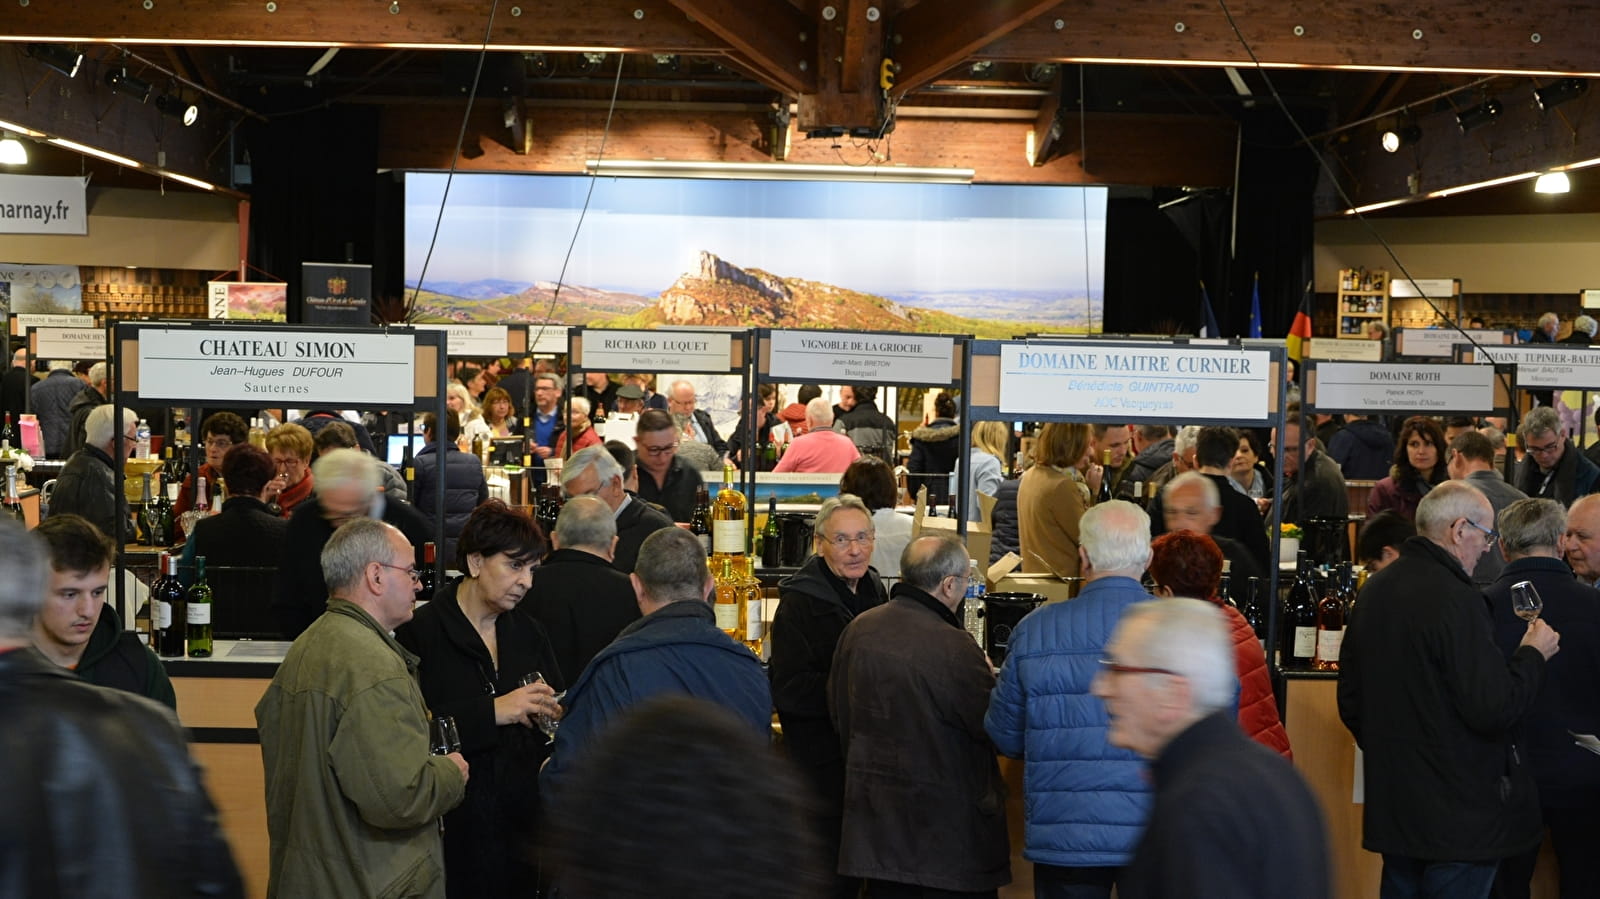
(721, 294)
(577, 306)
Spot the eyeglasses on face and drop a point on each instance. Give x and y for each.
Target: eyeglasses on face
(219, 442)
(412, 572)
(659, 450)
(1490, 536)
(1546, 449)
(1109, 666)
(842, 541)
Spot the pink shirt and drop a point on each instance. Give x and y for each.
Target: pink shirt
(821, 451)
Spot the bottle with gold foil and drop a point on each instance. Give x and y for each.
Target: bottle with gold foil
(727, 596)
(752, 628)
(728, 523)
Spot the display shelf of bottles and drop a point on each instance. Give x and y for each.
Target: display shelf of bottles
(1363, 298)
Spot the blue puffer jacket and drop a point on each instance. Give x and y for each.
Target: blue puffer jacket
(464, 490)
(678, 648)
(1085, 801)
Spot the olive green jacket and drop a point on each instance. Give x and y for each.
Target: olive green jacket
(353, 797)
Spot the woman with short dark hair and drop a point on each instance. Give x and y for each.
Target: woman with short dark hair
(219, 432)
(477, 644)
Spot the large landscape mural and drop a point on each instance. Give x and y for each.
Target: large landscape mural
(990, 260)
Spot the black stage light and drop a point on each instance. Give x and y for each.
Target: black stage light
(63, 59)
(1401, 136)
(178, 108)
(1552, 95)
(123, 83)
(1478, 116)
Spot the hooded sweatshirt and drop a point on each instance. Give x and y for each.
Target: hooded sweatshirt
(1363, 449)
(115, 658)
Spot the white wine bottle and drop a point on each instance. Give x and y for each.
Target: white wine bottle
(199, 612)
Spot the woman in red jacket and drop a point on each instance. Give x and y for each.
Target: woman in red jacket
(1187, 564)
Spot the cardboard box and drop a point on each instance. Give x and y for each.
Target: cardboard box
(979, 536)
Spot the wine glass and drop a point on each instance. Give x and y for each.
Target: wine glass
(546, 723)
(1525, 600)
(443, 738)
(152, 520)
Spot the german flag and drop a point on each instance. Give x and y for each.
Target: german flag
(1300, 328)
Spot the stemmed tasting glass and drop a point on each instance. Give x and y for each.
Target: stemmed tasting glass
(443, 738)
(1525, 600)
(546, 723)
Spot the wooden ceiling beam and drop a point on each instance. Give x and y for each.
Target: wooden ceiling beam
(1440, 35)
(615, 25)
(771, 36)
(937, 35)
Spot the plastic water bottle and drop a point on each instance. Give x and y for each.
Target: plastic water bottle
(976, 590)
(143, 439)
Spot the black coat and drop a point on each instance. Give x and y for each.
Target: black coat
(676, 494)
(1567, 774)
(1433, 704)
(321, 418)
(583, 604)
(1316, 491)
(1216, 792)
(464, 490)
(88, 487)
(934, 449)
(635, 522)
(813, 609)
(302, 594)
(87, 400)
(1240, 522)
(244, 535)
(490, 835)
(1003, 519)
(702, 419)
(763, 437)
(14, 391)
(519, 384)
(101, 796)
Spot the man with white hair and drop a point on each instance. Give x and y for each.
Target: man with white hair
(1167, 680)
(94, 394)
(596, 472)
(88, 482)
(347, 488)
(1193, 502)
(820, 448)
(1434, 705)
(695, 423)
(580, 599)
(1086, 801)
(101, 795)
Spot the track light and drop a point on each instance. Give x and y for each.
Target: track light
(1553, 183)
(1552, 95)
(12, 152)
(120, 81)
(1400, 136)
(1478, 116)
(175, 106)
(63, 59)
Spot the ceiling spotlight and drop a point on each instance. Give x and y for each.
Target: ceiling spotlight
(1478, 116)
(120, 81)
(982, 69)
(1553, 183)
(175, 106)
(63, 59)
(12, 152)
(1401, 136)
(1552, 95)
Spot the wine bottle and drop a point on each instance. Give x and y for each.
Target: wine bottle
(425, 576)
(148, 513)
(198, 612)
(700, 518)
(727, 597)
(6, 436)
(598, 421)
(1255, 608)
(1138, 494)
(1300, 618)
(201, 508)
(160, 608)
(1104, 493)
(728, 521)
(1330, 624)
(171, 595)
(257, 434)
(408, 466)
(1224, 588)
(771, 537)
(12, 504)
(752, 628)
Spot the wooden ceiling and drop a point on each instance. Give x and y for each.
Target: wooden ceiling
(994, 85)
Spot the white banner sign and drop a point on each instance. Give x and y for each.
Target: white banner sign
(22, 323)
(1440, 343)
(1124, 383)
(1400, 388)
(275, 368)
(834, 357)
(547, 340)
(472, 340)
(44, 204)
(1334, 349)
(657, 351)
(69, 343)
(1548, 366)
(1434, 288)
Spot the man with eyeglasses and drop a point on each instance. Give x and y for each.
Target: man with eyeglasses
(346, 489)
(924, 804)
(694, 423)
(1313, 486)
(594, 471)
(1168, 684)
(1434, 705)
(1553, 469)
(353, 796)
(815, 605)
(88, 482)
(1086, 801)
(664, 479)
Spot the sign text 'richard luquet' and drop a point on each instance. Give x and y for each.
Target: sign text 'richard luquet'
(1223, 384)
(1403, 388)
(843, 356)
(657, 351)
(254, 366)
